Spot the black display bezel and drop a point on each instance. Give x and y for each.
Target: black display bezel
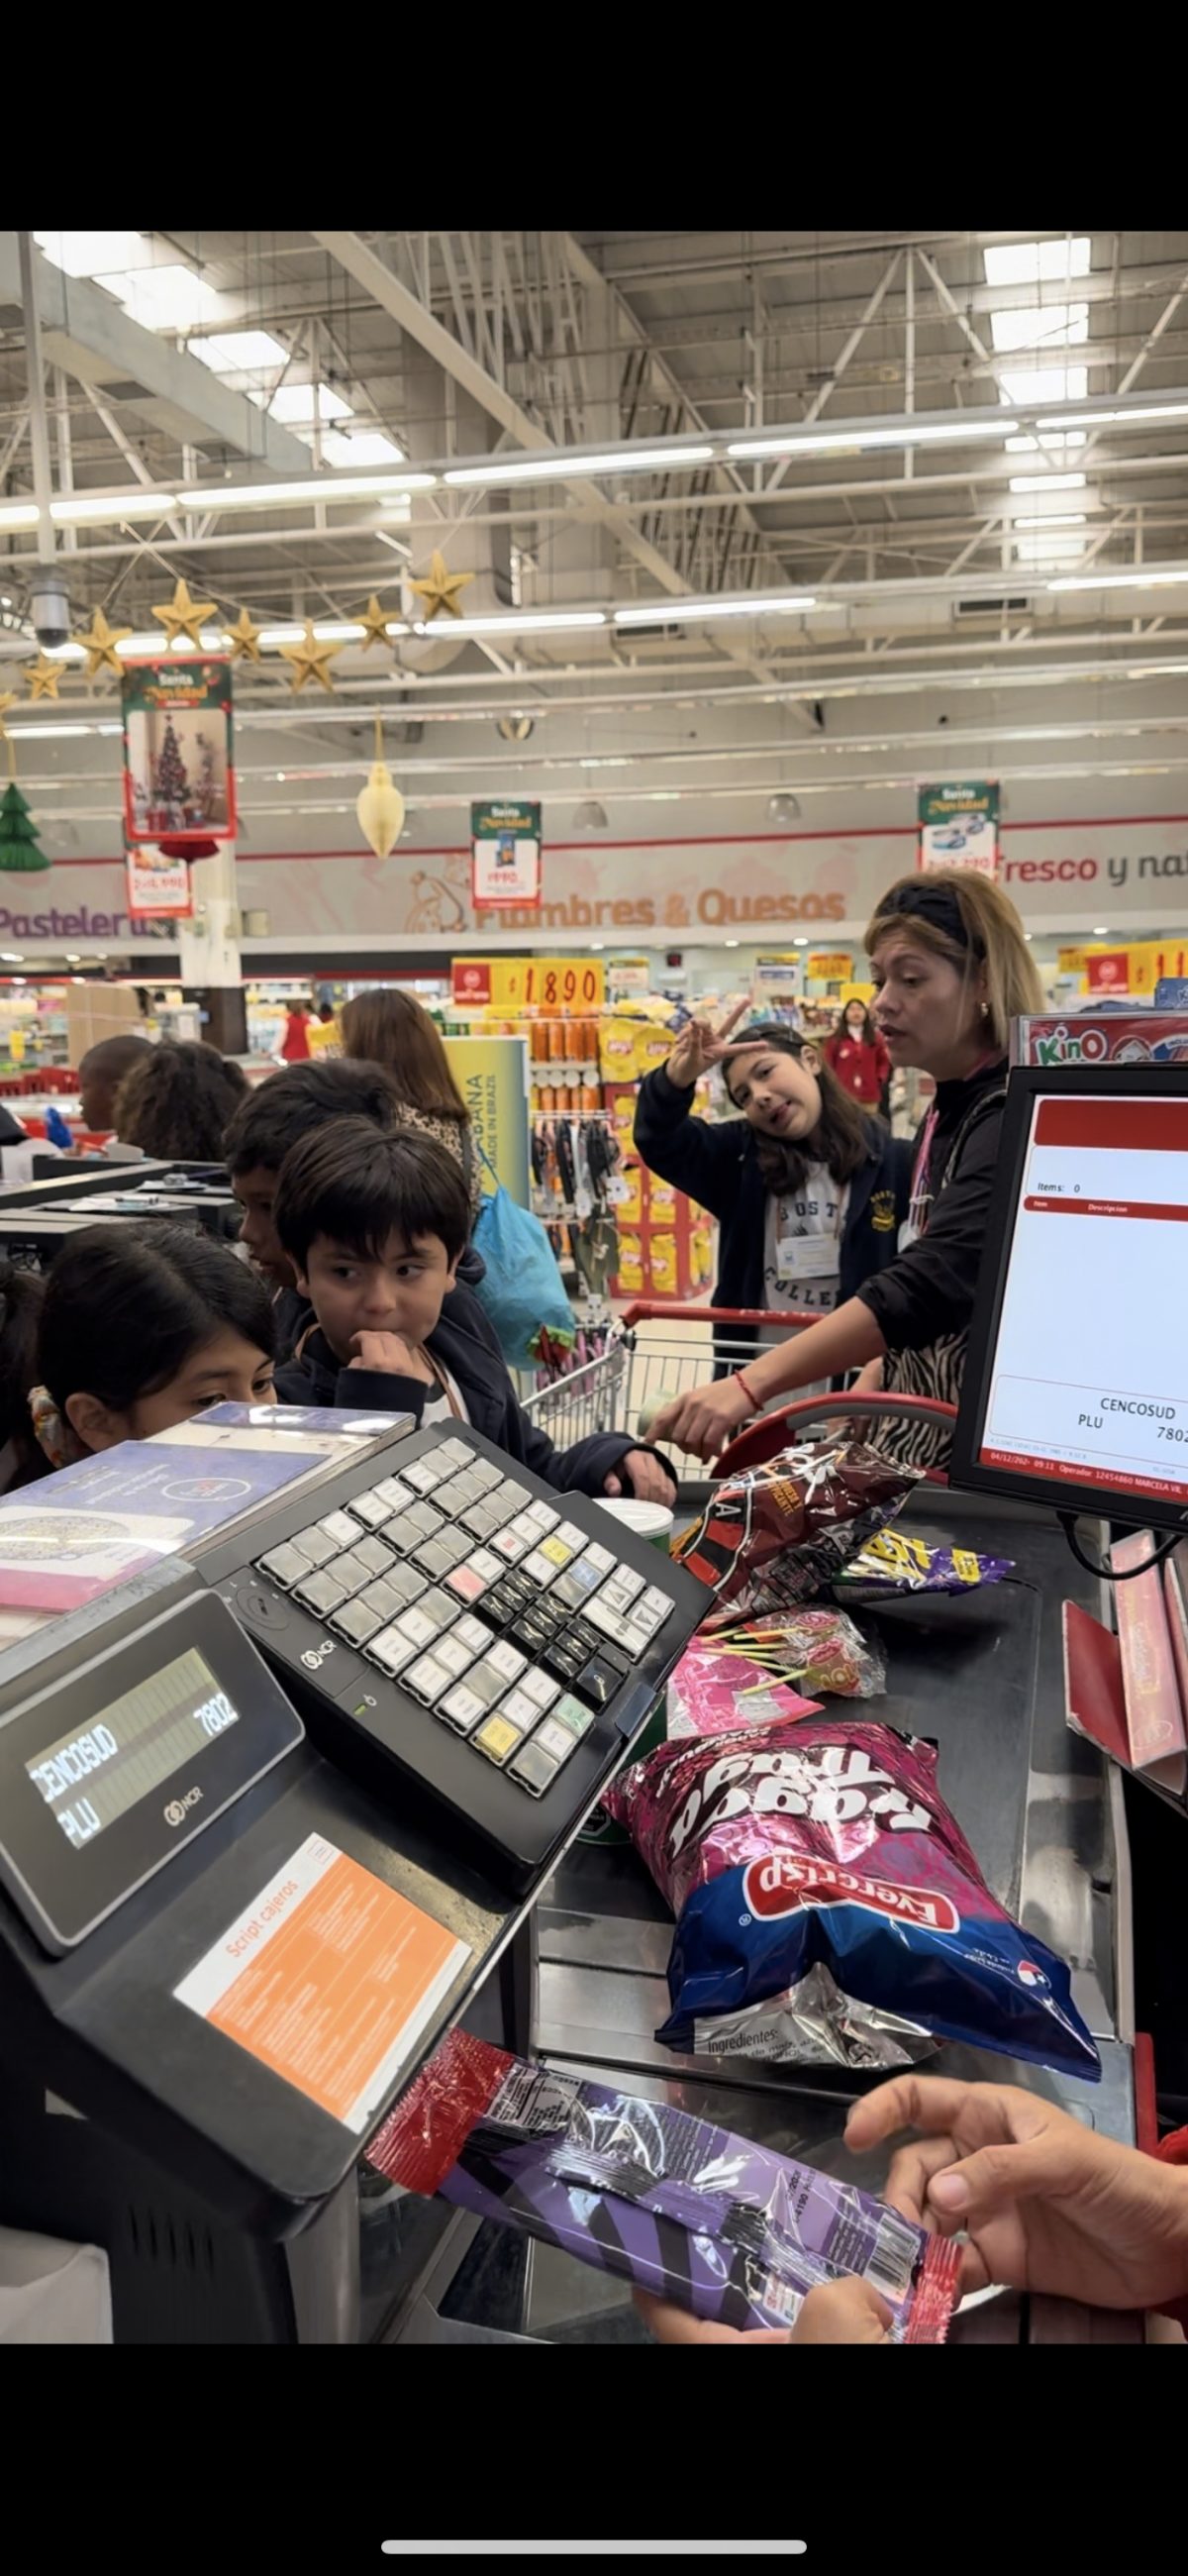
(63, 1889)
(967, 1470)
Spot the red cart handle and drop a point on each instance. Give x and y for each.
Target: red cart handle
(764, 1438)
(665, 1313)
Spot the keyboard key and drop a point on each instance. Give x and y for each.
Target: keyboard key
(512, 1545)
(555, 1739)
(353, 1570)
(619, 1663)
(538, 1687)
(416, 1628)
(426, 1520)
(369, 1509)
(526, 1529)
(356, 1622)
(598, 1682)
(480, 1522)
(519, 1710)
(463, 1708)
(424, 1473)
(635, 1642)
(570, 1713)
(569, 1593)
(563, 1659)
(497, 1738)
(314, 1545)
(372, 1553)
(538, 1567)
(450, 1651)
(487, 1684)
(439, 1607)
(497, 1507)
(556, 1551)
(403, 1534)
(434, 1556)
(390, 1651)
(623, 1588)
(586, 1573)
(486, 1565)
(453, 1497)
(394, 1496)
(286, 1565)
(472, 1634)
(384, 1600)
(468, 1585)
(532, 1635)
(406, 1583)
(486, 1475)
(505, 1660)
(657, 1603)
(321, 1592)
(340, 1529)
(574, 1537)
(455, 1453)
(429, 1679)
(533, 1769)
(602, 1558)
(542, 1516)
(602, 1616)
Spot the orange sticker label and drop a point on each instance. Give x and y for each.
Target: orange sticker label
(328, 1977)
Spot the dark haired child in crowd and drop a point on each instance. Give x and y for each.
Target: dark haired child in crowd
(140, 1330)
(288, 1106)
(374, 1225)
(176, 1099)
(21, 1293)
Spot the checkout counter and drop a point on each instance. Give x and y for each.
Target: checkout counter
(142, 2104)
(38, 1216)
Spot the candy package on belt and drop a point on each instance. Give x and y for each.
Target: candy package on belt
(778, 1533)
(712, 1692)
(892, 1562)
(830, 1910)
(819, 1650)
(731, 2231)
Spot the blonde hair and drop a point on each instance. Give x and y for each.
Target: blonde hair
(993, 939)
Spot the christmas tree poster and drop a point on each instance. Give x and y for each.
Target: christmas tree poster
(179, 776)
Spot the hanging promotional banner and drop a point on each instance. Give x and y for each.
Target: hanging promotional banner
(492, 1076)
(157, 886)
(179, 774)
(959, 827)
(505, 854)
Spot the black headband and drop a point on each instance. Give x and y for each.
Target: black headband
(936, 904)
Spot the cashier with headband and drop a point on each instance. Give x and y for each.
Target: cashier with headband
(952, 970)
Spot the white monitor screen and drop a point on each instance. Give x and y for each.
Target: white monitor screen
(1089, 1377)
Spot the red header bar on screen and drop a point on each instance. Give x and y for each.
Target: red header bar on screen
(1150, 1208)
(1115, 1126)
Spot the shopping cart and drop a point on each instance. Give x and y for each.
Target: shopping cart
(658, 1351)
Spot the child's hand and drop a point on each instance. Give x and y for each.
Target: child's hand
(646, 1478)
(384, 1351)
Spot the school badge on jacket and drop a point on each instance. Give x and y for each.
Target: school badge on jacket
(882, 1211)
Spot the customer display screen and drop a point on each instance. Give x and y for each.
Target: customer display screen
(97, 1772)
(1089, 1372)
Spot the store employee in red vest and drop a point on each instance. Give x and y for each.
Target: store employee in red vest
(858, 1056)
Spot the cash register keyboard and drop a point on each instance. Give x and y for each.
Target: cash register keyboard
(497, 1613)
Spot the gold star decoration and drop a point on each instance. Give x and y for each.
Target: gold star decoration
(309, 660)
(43, 677)
(245, 638)
(182, 615)
(374, 621)
(100, 645)
(439, 587)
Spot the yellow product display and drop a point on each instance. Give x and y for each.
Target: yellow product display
(622, 1115)
(662, 1200)
(616, 1049)
(664, 1265)
(631, 1266)
(701, 1247)
(630, 1209)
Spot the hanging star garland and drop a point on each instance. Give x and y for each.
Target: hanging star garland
(43, 677)
(439, 587)
(100, 645)
(245, 638)
(182, 615)
(374, 621)
(310, 660)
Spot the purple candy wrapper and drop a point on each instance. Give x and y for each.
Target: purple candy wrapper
(731, 2231)
(892, 1562)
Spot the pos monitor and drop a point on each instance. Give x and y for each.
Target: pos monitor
(1076, 1378)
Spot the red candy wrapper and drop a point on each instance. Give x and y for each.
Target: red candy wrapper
(830, 1908)
(779, 1533)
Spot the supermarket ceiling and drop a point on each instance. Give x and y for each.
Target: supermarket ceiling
(831, 476)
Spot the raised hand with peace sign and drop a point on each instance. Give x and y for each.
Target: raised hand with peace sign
(701, 1045)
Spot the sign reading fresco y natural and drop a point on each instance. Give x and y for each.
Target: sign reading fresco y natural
(505, 855)
(179, 775)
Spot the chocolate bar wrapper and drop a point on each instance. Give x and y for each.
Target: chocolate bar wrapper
(776, 1534)
(892, 1562)
(730, 2231)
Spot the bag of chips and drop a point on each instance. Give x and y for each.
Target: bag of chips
(830, 1910)
(778, 1533)
(731, 2231)
(892, 1562)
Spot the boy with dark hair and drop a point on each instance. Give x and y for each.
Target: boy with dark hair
(374, 1225)
(285, 1108)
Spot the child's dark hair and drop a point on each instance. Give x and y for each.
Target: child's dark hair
(21, 1295)
(177, 1101)
(125, 1306)
(841, 1137)
(359, 1185)
(297, 1103)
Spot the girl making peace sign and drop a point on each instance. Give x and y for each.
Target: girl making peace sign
(809, 1191)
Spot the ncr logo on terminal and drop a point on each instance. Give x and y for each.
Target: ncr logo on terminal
(179, 1808)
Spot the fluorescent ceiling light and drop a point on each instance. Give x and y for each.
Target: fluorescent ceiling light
(89, 254)
(517, 622)
(1034, 326)
(1047, 482)
(296, 402)
(1036, 263)
(1144, 411)
(313, 487)
(238, 352)
(1024, 386)
(911, 434)
(758, 603)
(360, 447)
(18, 514)
(326, 632)
(1036, 517)
(49, 732)
(165, 299)
(550, 467)
(82, 506)
(1136, 580)
(1057, 442)
(1042, 549)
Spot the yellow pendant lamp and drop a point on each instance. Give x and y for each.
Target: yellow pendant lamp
(380, 805)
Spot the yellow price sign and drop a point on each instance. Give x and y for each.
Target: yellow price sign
(511, 984)
(828, 965)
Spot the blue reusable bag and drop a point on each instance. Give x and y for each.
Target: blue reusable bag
(523, 1291)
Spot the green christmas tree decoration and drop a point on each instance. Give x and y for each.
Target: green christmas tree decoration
(20, 849)
(173, 785)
